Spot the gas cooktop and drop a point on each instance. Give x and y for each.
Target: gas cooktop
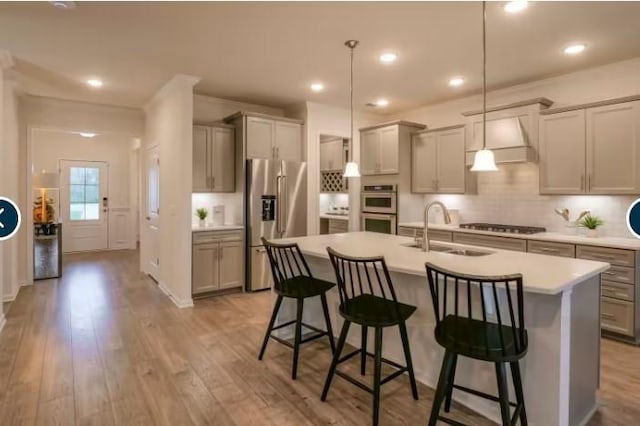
(508, 229)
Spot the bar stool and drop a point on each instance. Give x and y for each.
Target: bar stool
(292, 278)
(367, 298)
(459, 332)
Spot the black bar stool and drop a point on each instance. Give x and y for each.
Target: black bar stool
(292, 278)
(460, 332)
(367, 298)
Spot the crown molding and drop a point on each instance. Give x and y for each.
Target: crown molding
(6, 59)
(176, 82)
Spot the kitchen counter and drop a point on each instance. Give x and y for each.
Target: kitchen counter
(613, 242)
(334, 216)
(561, 312)
(196, 228)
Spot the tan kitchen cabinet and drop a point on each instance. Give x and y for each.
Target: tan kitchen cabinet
(380, 147)
(217, 261)
(213, 159)
(438, 161)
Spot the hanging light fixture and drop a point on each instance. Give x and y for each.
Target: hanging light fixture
(351, 169)
(484, 160)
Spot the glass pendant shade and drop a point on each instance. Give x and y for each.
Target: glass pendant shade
(351, 170)
(484, 161)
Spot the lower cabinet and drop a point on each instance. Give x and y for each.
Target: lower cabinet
(434, 234)
(217, 261)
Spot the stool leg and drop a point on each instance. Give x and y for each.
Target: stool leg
(407, 357)
(517, 384)
(377, 376)
(327, 320)
(503, 393)
(336, 358)
(363, 351)
(297, 339)
(452, 377)
(443, 385)
(274, 314)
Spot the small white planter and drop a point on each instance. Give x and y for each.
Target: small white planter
(202, 223)
(592, 233)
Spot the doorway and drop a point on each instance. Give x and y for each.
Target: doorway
(84, 205)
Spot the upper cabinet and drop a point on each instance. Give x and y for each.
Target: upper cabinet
(438, 161)
(380, 147)
(275, 138)
(332, 155)
(591, 150)
(213, 159)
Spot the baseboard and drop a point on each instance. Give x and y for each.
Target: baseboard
(11, 297)
(3, 321)
(180, 303)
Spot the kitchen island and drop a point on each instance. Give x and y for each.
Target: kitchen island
(562, 316)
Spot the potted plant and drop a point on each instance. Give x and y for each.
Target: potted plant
(202, 214)
(591, 223)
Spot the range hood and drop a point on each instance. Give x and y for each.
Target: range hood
(512, 131)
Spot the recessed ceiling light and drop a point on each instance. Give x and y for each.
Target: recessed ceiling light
(388, 58)
(87, 134)
(516, 6)
(317, 87)
(382, 102)
(456, 81)
(94, 82)
(574, 49)
(64, 5)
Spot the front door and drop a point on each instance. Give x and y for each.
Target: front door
(151, 251)
(84, 205)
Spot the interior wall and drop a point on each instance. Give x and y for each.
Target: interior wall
(511, 195)
(169, 125)
(55, 114)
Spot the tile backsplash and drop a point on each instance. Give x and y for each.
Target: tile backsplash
(232, 205)
(335, 199)
(511, 196)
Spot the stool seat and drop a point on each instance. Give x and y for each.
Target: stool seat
(480, 340)
(374, 311)
(302, 287)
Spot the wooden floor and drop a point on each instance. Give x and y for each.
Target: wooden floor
(103, 346)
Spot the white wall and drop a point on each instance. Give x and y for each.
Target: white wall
(54, 114)
(511, 194)
(51, 146)
(169, 125)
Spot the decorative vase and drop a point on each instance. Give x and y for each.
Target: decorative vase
(202, 223)
(592, 233)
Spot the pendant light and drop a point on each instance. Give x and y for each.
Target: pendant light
(351, 169)
(484, 160)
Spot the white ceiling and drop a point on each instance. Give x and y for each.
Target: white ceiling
(269, 53)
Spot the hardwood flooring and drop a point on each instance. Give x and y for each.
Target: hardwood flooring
(103, 346)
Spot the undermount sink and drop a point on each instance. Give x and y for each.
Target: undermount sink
(460, 251)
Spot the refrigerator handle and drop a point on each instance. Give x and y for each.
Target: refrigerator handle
(284, 193)
(278, 205)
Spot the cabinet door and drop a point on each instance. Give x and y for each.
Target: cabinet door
(201, 178)
(231, 270)
(324, 156)
(223, 170)
(336, 155)
(288, 141)
(389, 150)
(613, 151)
(450, 164)
(260, 133)
(369, 152)
(204, 268)
(562, 153)
(423, 163)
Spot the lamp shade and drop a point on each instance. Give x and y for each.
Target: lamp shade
(484, 161)
(46, 180)
(351, 170)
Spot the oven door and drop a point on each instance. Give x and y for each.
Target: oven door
(382, 223)
(379, 202)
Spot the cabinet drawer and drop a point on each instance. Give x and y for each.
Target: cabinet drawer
(338, 226)
(434, 234)
(203, 237)
(503, 243)
(620, 274)
(407, 231)
(552, 249)
(617, 316)
(617, 290)
(610, 255)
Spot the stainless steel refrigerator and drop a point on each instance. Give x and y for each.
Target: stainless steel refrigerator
(276, 207)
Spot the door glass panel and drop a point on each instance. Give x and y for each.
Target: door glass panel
(378, 225)
(378, 202)
(84, 193)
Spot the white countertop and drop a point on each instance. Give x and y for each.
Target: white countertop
(209, 227)
(333, 216)
(541, 273)
(613, 242)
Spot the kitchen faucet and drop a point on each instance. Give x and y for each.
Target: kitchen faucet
(445, 214)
